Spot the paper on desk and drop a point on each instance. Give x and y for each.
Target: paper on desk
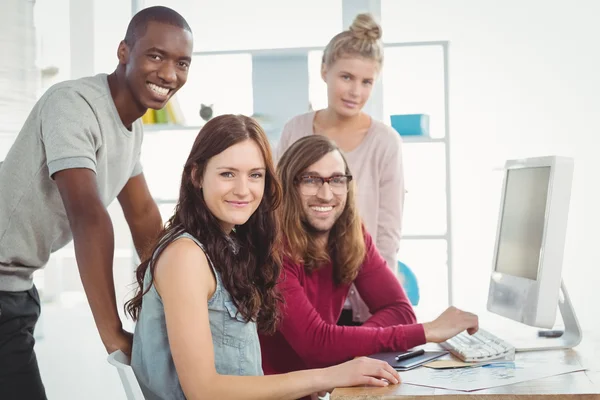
(487, 376)
(453, 363)
(450, 364)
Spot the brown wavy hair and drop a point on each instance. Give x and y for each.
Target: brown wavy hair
(249, 274)
(346, 244)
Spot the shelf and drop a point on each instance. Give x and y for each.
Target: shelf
(160, 201)
(276, 52)
(296, 51)
(267, 127)
(170, 127)
(421, 139)
(425, 237)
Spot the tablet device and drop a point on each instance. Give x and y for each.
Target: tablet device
(410, 363)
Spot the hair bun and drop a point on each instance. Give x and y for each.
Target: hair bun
(365, 27)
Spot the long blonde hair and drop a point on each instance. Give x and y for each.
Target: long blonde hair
(362, 39)
(346, 244)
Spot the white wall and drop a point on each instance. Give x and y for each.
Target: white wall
(19, 79)
(524, 82)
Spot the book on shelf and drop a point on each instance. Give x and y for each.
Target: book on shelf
(170, 114)
(411, 124)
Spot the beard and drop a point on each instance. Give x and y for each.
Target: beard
(311, 229)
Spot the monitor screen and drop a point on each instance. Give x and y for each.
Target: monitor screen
(522, 222)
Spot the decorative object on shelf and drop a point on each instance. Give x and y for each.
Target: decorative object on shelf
(411, 124)
(206, 112)
(49, 72)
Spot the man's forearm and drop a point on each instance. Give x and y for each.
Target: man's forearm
(93, 237)
(145, 230)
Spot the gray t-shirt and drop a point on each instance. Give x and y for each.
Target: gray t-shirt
(75, 124)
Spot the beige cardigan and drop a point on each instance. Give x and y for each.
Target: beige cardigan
(376, 165)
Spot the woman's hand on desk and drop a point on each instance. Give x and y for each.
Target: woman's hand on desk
(362, 371)
(449, 324)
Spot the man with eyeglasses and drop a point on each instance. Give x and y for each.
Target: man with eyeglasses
(326, 250)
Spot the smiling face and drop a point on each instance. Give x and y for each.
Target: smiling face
(233, 183)
(156, 65)
(349, 83)
(323, 209)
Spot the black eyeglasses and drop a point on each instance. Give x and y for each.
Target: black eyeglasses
(310, 185)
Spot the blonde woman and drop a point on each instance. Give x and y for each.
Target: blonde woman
(351, 63)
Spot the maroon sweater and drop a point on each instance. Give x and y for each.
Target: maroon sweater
(308, 336)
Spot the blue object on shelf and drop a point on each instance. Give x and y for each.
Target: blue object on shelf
(411, 124)
(410, 284)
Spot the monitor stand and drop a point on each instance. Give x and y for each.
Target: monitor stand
(572, 333)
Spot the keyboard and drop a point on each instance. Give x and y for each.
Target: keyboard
(482, 346)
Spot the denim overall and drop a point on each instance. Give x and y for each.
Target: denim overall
(235, 341)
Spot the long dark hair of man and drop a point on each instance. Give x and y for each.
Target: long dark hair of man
(346, 244)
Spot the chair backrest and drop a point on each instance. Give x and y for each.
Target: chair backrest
(119, 360)
(410, 283)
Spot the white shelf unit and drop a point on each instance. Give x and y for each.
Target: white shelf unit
(170, 127)
(447, 236)
(282, 73)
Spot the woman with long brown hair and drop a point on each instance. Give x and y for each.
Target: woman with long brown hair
(211, 281)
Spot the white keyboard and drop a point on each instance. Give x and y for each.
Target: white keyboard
(482, 346)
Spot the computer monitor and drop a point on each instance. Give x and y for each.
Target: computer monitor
(526, 279)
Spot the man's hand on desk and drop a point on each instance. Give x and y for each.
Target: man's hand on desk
(449, 324)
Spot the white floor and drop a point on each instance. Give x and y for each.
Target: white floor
(70, 353)
(71, 356)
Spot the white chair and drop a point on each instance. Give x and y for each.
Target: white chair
(119, 360)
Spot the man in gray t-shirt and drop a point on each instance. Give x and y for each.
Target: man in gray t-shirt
(79, 150)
